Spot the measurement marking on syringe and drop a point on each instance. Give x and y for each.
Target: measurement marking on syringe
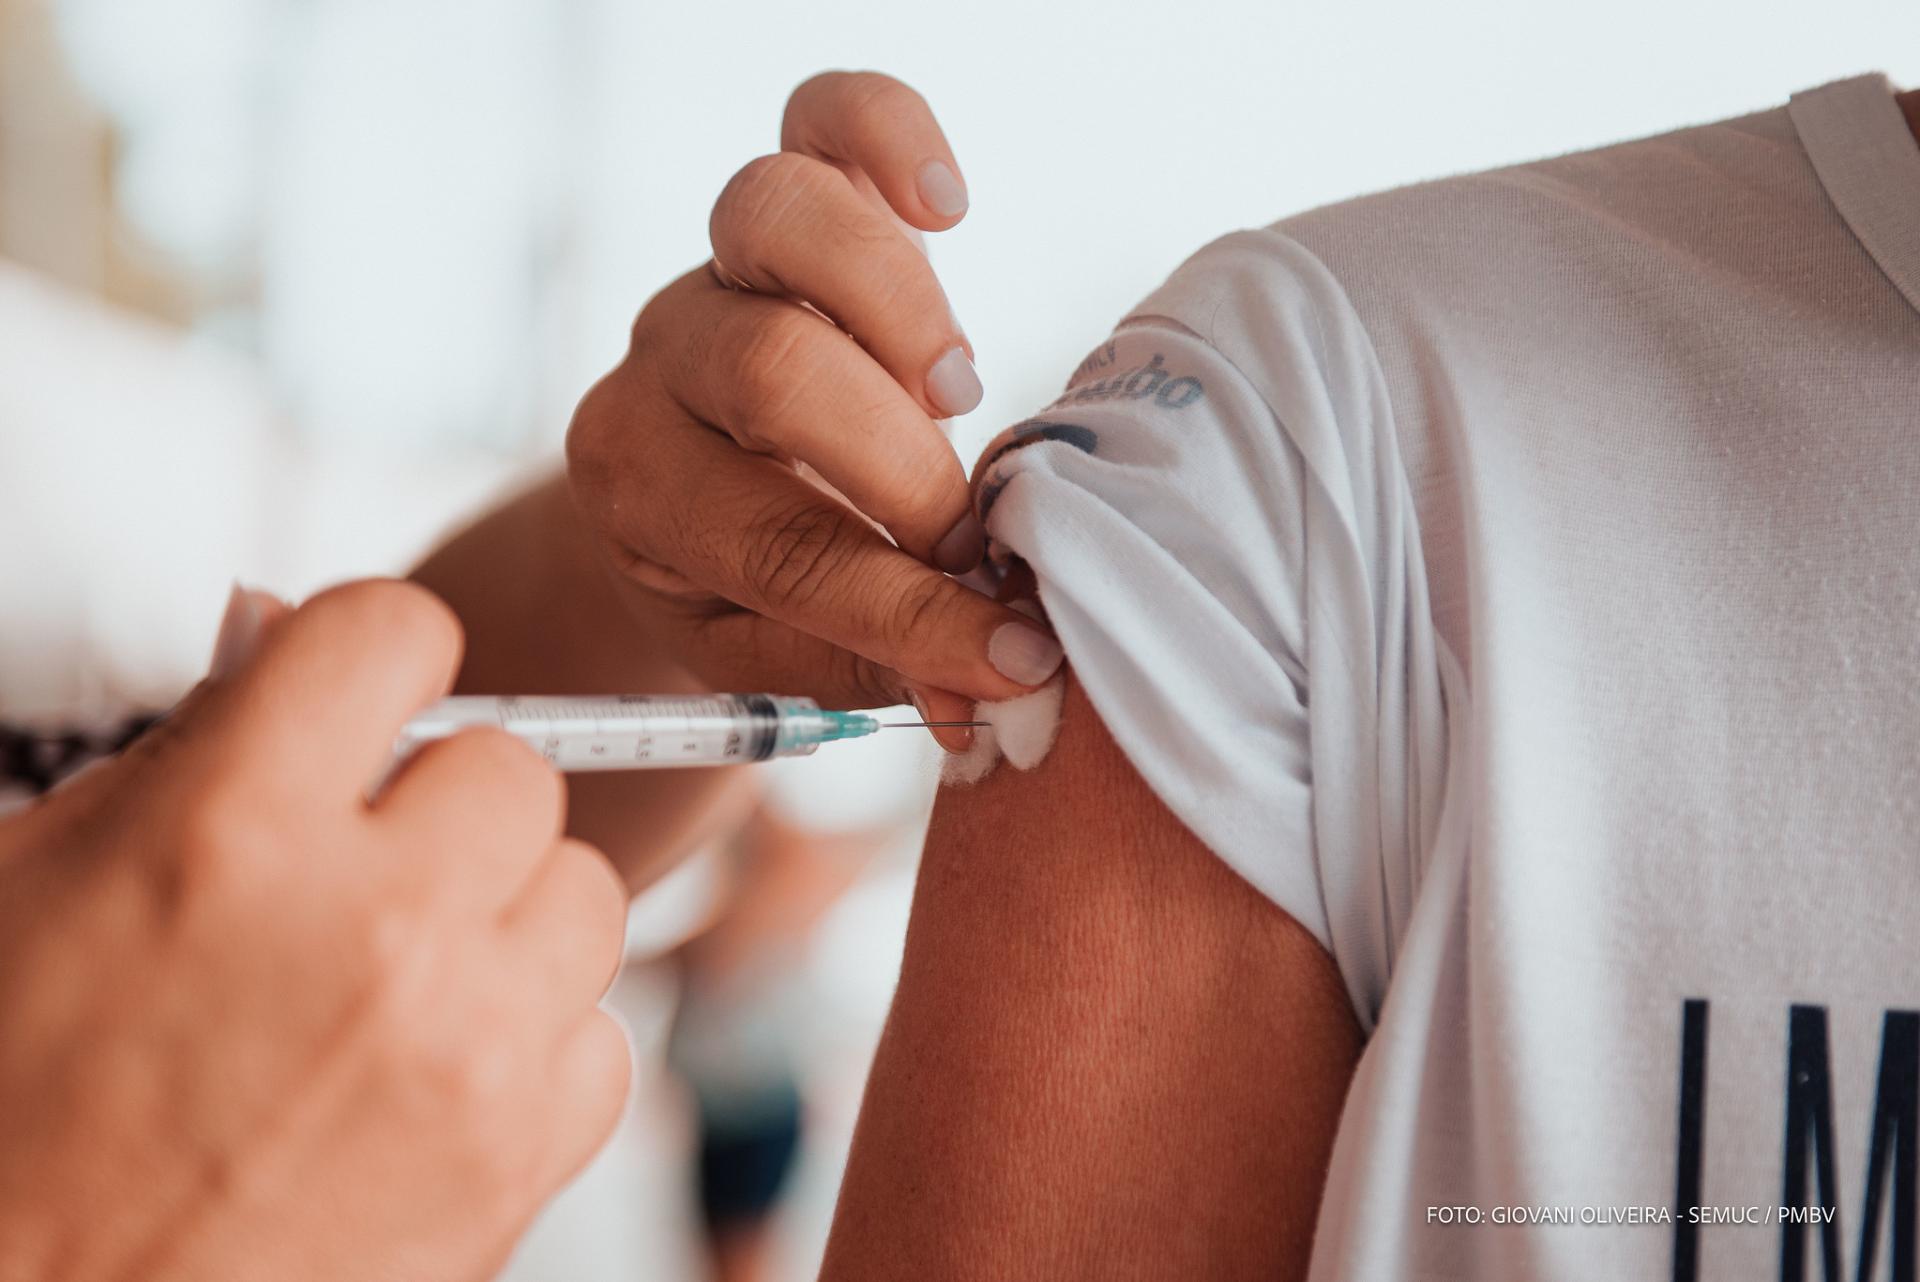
(582, 732)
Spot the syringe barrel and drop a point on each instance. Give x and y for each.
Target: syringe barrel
(627, 732)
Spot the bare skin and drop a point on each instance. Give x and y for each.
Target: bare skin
(1108, 1055)
(259, 1027)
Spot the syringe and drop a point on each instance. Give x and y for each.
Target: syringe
(642, 731)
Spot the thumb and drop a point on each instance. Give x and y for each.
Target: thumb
(943, 705)
(250, 612)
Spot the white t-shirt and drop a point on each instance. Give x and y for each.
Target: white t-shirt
(1514, 577)
(141, 474)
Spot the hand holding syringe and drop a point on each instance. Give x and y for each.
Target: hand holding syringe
(638, 732)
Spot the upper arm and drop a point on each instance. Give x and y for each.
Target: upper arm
(1108, 1053)
(540, 614)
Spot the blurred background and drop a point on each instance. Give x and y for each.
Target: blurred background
(287, 287)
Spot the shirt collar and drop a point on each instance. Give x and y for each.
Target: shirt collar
(1868, 162)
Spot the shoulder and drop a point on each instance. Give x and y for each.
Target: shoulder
(1449, 249)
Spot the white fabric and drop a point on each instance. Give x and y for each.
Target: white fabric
(141, 473)
(1522, 594)
(1173, 560)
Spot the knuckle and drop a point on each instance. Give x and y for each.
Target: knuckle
(171, 731)
(658, 330)
(602, 889)
(404, 615)
(919, 608)
(587, 433)
(900, 282)
(655, 315)
(606, 453)
(875, 685)
(796, 550)
(221, 828)
(815, 88)
(760, 196)
(506, 770)
(476, 1079)
(770, 364)
(397, 952)
(484, 1074)
(876, 101)
(667, 595)
(468, 1068)
(927, 487)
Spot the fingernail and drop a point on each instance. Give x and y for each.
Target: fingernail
(239, 633)
(1023, 653)
(961, 548)
(942, 189)
(952, 384)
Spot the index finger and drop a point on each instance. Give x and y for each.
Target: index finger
(319, 707)
(884, 129)
(777, 377)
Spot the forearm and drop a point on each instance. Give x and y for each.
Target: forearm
(542, 617)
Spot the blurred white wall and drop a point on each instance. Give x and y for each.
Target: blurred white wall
(452, 210)
(1104, 142)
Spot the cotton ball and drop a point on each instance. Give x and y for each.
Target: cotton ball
(1025, 727)
(981, 756)
(1021, 729)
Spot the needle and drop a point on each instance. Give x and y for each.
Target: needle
(905, 725)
